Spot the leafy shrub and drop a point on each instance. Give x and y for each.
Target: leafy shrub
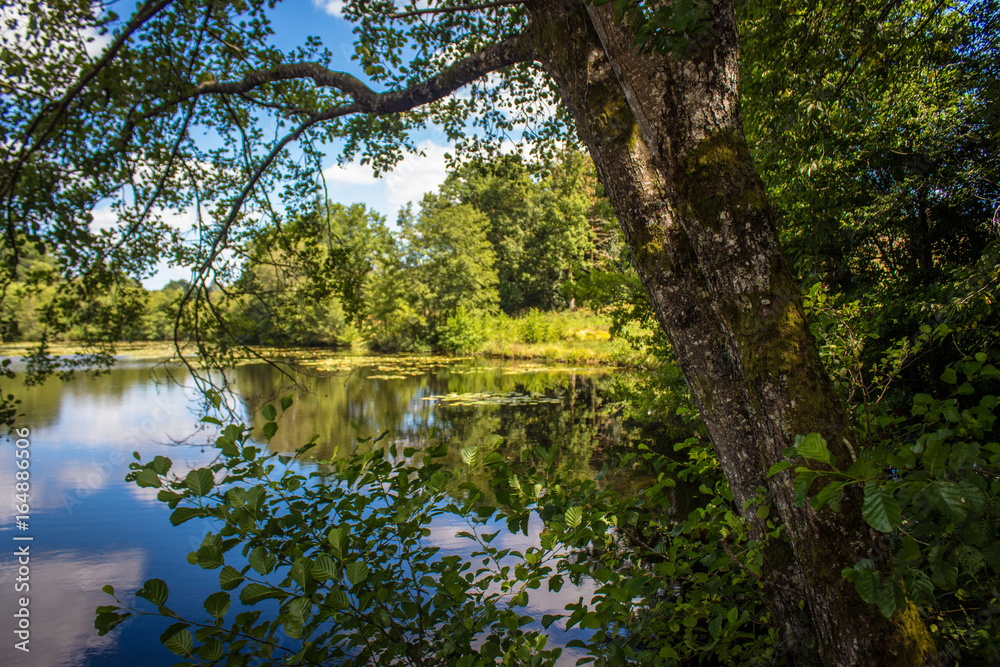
(341, 550)
(464, 332)
(931, 483)
(538, 327)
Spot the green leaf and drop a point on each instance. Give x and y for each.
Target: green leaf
(200, 481)
(826, 494)
(323, 568)
(109, 589)
(161, 464)
(338, 599)
(356, 572)
(209, 557)
(573, 516)
(866, 583)
(909, 550)
(286, 402)
(715, 626)
(778, 467)
(181, 643)
(253, 593)
(262, 561)
(182, 514)
(167, 611)
(949, 376)
(269, 413)
(217, 604)
(147, 478)
(172, 629)
(470, 455)
(211, 650)
(549, 619)
(230, 578)
(154, 590)
(920, 586)
(299, 609)
(270, 428)
(337, 537)
(106, 622)
(944, 575)
(951, 499)
(880, 508)
(991, 554)
(813, 447)
(886, 598)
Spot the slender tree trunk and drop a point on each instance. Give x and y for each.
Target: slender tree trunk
(668, 143)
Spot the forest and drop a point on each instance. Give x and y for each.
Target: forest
(502, 236)
(791, 212)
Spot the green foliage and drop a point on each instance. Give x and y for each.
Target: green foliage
(450, 262)
(311, 281)
(537, 327)
(930, 480)
(872, 126)
(677, 579)
(464, 332)
(340, 550)
(329, 563)
(547, 223)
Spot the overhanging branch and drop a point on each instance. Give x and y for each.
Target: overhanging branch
(496, 56)
(452, 10)
(509, 51)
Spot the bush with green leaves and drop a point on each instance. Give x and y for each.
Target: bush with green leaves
(328, 563)
(535, 326)
(678, 581)
(464, 332)
(931, 484)
(341, 550)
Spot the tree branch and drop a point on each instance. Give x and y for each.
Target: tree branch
(59, 108)
(509, 51)
(452, 10)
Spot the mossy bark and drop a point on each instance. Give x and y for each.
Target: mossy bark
(667, 140)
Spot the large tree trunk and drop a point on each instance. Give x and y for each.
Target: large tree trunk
(668, 143)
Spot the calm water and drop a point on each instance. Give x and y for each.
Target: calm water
(90, 528)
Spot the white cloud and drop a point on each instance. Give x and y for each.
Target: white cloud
(94, 42)
(353, 173)
(103, 218)
(331, 7)
(414, 176)
(336, 7)
(65, 589)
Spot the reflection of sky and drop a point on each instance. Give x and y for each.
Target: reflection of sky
(444, 533)
(91, 528)
(65, 587)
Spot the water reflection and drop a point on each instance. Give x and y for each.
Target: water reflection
(568, 416)
(65, 588)
(91, 528)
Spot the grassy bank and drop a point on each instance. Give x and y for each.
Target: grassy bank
(575, 337)
(579, 337)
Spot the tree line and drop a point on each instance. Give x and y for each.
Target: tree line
(502, 235)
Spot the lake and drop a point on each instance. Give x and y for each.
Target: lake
(88, 527)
